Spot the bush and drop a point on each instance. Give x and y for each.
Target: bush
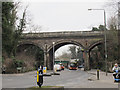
(18, 63)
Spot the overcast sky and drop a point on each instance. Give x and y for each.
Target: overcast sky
(66, 15)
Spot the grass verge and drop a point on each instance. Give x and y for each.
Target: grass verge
(46, 88)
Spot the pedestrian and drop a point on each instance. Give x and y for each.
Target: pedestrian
(3, 69)
(116, 67)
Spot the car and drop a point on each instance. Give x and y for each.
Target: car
(72, 66)
(80, 66)
(57, 67)
(62, 66)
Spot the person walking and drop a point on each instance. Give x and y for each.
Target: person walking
(116, 67)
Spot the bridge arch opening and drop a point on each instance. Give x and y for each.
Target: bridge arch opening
(57, 46)
(96, 55)
(31, 55)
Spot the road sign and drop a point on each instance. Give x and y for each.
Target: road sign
(44, 70)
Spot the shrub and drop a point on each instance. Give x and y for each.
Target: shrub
(18, 63)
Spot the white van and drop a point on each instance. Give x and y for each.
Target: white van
(57, 67)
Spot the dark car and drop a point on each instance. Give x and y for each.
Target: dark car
(72, 66)
(81, 66)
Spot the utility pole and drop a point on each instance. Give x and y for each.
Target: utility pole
(119, 29)
(53, 56)
(104, 36)
(118, 15)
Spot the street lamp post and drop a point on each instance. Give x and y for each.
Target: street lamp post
(53, 56)
(104, 36)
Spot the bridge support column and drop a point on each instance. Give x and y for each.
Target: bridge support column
(45, 59)
(86, 60)
(49, 60)
(45, 56)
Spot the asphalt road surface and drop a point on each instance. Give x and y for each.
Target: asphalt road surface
(67, 78)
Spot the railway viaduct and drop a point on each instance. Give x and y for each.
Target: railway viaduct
(85, 39)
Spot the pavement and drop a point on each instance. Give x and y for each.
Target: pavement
(104, 81)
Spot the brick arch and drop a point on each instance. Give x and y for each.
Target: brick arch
(64, 42)
(30, 43)
(95, 44)
(58, 45)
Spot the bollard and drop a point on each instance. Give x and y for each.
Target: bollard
(39, 77)
(97, 74)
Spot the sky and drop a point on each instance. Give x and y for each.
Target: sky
(65, 15)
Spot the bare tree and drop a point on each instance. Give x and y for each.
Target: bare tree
(112, 7)
(64, 56)
(112, 23)
(72, 49)
(34, 28)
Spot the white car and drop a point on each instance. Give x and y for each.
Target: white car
(57, 67)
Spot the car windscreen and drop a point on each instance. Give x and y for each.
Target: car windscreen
(73, 65)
